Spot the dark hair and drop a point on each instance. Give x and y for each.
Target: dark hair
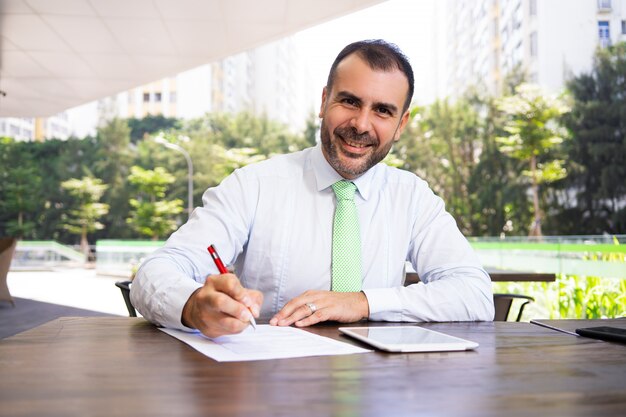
(379, 55)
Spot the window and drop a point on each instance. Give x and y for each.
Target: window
(146, 97)
(604, 4)
(533, 7)
(533, 44)
(173, 97)
(157, 97)
(623, 27)
(604, 33)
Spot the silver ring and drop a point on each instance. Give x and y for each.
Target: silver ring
(311, 307)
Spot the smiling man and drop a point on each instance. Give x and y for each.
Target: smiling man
(325, 233)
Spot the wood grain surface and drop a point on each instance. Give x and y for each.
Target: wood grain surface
(127, 367)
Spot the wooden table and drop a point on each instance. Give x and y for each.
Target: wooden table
(126, 367)
(500, 275)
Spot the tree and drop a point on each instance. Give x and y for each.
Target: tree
(150, 215)
(245, 130)
(149, 125)
(441, 148)
(20, 185)
(83, 220)
(113, 159)
(533, 131)
(597, 149)
(499, 201)
(57, 161)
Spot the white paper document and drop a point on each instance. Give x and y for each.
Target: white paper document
(266, 342)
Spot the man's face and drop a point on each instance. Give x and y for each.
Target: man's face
(361, 116)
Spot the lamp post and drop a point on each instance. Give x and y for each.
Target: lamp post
(160, 139)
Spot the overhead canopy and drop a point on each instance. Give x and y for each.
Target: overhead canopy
(57, 54)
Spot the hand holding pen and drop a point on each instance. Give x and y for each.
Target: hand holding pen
(222, 306)
(223, 270)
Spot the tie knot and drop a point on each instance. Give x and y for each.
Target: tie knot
(344, 190)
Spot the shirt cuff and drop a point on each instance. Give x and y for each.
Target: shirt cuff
(172, 308)
(384, 304)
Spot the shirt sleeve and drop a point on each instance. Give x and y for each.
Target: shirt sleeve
(168, 277)
(453, 287)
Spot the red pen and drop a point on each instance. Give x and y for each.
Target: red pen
(223, 270)
(217, 260)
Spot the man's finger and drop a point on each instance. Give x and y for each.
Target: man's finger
(317, 317)
(223, 303)
(222, 324)
(297, 314)
(228, 284)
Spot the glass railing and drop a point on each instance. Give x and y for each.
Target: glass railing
(122, 257)
(599, 256)
(44, 254)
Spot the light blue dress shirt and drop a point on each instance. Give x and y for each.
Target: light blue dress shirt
(272, 221)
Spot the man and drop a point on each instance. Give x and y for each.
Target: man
(283, 225)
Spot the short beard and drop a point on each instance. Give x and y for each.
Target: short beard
(360, 166)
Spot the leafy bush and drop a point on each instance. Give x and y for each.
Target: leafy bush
(571, 297)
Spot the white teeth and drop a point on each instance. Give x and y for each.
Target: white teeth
(356, 144)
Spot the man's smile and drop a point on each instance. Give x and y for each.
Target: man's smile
(352, 146)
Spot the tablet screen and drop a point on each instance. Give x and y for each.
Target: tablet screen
(408, 339)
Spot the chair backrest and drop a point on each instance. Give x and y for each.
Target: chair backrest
(504, 302)
(124, 287)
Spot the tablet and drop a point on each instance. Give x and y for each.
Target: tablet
(408, 339)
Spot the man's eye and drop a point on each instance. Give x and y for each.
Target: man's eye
(349, 101)
(384, 110)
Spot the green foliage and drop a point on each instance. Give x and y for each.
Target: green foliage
(150, 214)
(453, 147)
(34, 206)
(149, 125)
(151, 183)
(244, 130)
(442, 150)
(572, 297)
(532, 124)
(113, 158)
(311, 129)
(596, 154)
(87, 192)
(533, 130)
(19, 189)
(154, 219)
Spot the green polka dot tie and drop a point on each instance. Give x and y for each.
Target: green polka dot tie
(346, 262)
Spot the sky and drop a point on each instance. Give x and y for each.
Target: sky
(407, 23)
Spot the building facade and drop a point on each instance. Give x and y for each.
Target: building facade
(550, 40)
(265, 81)
(36, 128)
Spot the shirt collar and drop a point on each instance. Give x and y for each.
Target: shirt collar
(326, 176)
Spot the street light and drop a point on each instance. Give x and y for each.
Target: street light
(160, 139)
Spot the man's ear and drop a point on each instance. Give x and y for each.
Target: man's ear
(403, 121)
(323, 106)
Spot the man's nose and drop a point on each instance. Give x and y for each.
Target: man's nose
(361, 121)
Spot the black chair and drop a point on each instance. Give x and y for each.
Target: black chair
(504, 302)
(124, 287)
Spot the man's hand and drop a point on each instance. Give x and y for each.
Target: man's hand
(222, 306)
(345, 307)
